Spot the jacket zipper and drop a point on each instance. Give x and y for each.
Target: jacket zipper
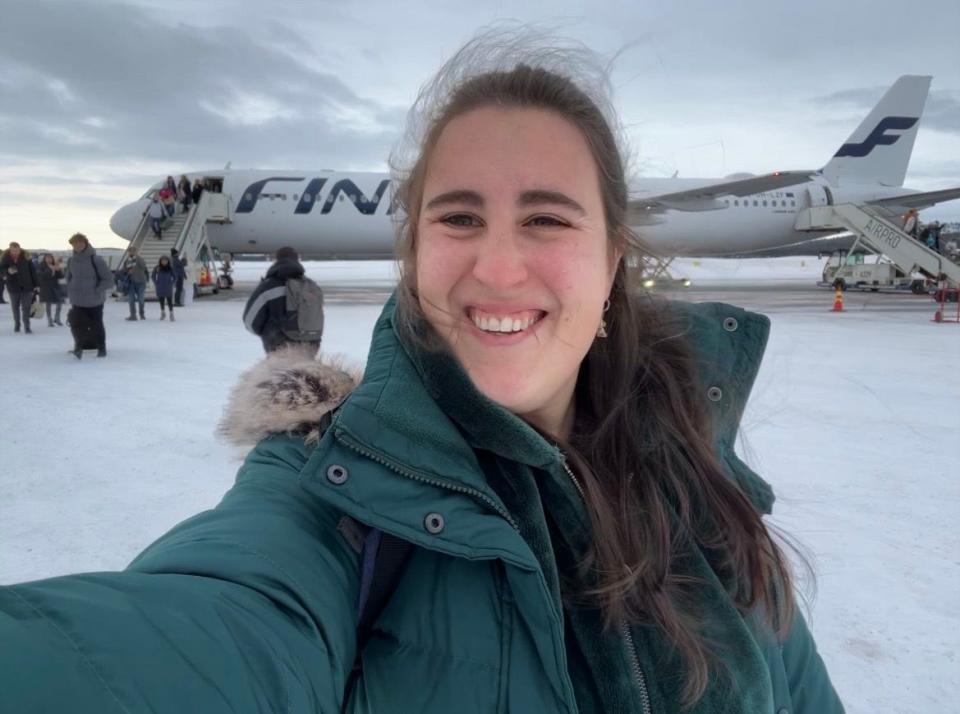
(635, 663)
(345, 438)
(624, 625)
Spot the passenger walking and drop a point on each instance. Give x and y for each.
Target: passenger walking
(51, 295)
(287, 307)
(933, 238)
(180, 273)
(22, 285)
(168, 197)
(197, 191)
(88, 282)
(911, 222)
(134, 270)
(164, 278)
(156, 213)
(184, 191)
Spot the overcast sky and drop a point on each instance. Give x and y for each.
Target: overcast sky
(100, 99)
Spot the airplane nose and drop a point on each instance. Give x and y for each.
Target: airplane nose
(125, 221)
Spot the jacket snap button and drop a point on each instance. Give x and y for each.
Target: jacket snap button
(783, 710)
(730, 325)
(337, 474)
(433, 523)
(714, 394)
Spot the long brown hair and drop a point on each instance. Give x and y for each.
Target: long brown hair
(642, 441)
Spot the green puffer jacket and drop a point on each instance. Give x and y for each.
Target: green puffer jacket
(251, 606)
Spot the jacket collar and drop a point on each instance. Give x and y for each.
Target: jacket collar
(420, 409)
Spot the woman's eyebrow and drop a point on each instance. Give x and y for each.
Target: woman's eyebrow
(533, 197)
(539, 197)
(460, 195)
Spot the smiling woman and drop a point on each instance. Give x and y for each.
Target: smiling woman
(529, 504)
(514, 271)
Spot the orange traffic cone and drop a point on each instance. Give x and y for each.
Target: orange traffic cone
(838, 300)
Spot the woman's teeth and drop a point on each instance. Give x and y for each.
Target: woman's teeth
(506, 323)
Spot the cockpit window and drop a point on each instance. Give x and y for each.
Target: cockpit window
(152, 190)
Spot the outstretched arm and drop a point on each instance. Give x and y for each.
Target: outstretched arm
(246, 607)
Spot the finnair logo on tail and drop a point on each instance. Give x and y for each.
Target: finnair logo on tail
(878, 136)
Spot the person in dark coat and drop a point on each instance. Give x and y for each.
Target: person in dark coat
(185, 193)
(164, 278)
(197, 191)
(179, 266)
(88, 282)
(21, 279)
(266, 311)
(50, 275)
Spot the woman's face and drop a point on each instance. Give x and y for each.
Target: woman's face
(512, 257)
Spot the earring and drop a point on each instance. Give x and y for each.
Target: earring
(602, 330)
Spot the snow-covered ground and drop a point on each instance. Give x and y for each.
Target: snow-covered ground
(854, 419)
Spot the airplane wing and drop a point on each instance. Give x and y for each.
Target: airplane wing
(703, 198)
(918, 200)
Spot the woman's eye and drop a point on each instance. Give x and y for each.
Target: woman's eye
(538, 221)
(461, 220)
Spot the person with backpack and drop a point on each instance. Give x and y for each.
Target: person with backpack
(933, 236)
(21, 278)
(531, 502)
(50, 275)
(134, 272)
(88, 282)
(164, 278)
(286, 307)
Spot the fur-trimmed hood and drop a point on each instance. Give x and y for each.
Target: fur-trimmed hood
(285, 393)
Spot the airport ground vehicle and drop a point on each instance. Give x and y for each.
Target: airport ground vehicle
(855, 273)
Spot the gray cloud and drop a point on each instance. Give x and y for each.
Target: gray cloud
(34, 198)
(119, 82)
(942, 111)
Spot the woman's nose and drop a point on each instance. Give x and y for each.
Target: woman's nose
(500, 260)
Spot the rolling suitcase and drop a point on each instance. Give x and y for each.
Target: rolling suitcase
(84, 335)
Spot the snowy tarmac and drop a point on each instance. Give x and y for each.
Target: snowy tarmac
(854, 419)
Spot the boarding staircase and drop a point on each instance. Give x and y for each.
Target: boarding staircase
(187, 233)
(881, 235)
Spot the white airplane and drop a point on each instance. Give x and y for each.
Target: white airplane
(338, 215)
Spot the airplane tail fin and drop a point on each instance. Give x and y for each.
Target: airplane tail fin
(879, 150)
